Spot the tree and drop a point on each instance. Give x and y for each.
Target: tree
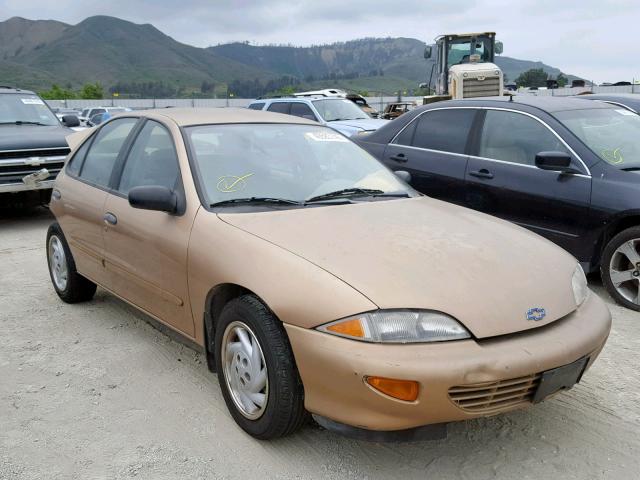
(58, 93)
(536, 77)
(562, 80)
(92, 91)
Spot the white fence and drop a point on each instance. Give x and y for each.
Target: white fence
(376, 102)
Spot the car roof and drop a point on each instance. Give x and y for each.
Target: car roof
(308, 99)
(545, 103)
(204, 116)
(6, 89)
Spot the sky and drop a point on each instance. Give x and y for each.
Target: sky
(592, 39)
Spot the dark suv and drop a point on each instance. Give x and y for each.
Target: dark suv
(566, 168)
(32, 147)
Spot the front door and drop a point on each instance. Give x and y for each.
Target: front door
(504, 181)
(432, 149)
(146, 251)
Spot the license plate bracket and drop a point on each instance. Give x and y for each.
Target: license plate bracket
(561, 378)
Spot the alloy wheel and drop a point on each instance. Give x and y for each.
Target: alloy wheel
(624, 270)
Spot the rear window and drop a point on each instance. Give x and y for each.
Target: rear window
(443, 130)
(279, 107)
(256, 106)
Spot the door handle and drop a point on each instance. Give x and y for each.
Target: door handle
(482, 173)
(401, 157)
(110, 218)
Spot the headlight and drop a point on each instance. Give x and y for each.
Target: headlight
(398, 326)
(579, 284)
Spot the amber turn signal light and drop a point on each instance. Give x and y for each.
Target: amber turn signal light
(406, 390)
(351, 328)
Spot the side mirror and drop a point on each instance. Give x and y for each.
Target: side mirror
(403, 175)
(555, 161)
(427, 52)
(154, 197)
(499, 48)
(70, 121)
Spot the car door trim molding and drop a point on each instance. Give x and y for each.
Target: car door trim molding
(573, 152)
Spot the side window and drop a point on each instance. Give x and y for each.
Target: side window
(75, 163)
(279, 107)
(444, 130)
(302, 110)
(256, 106)
(406, 136)
(151, 161)
(103, 153)
(514, 137)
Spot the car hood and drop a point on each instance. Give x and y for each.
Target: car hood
(426, 254)
(366, 124)
(29, 137)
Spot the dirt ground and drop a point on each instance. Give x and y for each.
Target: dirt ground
(94, 391)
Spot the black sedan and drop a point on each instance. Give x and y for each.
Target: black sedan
(566, 168)
(630, 101)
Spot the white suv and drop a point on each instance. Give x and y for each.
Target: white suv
(338, 113)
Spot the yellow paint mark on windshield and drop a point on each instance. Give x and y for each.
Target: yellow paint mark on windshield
(613, 156)
(232, 183)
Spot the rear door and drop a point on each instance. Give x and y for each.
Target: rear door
(433, 149)
(83, 193)
(146, 251)
(503, 180)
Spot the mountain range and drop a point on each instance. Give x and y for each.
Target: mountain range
(117, 53)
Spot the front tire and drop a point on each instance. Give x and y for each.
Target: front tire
(620, 268)
(70, 286)
(256, 370)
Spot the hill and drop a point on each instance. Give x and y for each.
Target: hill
(117, 53)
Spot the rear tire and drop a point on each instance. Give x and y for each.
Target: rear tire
(70, 286)
(257, 371)
(620, 268)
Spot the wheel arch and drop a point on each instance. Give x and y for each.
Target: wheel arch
(215, 301)
(619, 224)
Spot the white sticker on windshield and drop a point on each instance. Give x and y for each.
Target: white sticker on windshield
(328, 136)
(32, 101)
(622, 111)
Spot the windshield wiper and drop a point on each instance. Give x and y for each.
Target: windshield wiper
(24, 122)
(346, 119)
(353, 192)
(234, 201)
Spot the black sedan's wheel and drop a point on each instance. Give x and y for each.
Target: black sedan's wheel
(257, 371)
(67, 282)
(620, 268)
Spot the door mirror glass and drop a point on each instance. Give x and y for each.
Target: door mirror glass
(70, 121)
(556, 161)
(499, 48)
(403, 175)
(427, 52)
(153, 197)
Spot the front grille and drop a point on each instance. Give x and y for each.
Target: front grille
(494, 397)
(14, 173)
(45, 152)
(472, 87)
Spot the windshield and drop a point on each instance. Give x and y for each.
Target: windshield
(17, 108)
(459, 51)
(290, 162)
(612, 134)
(339, 109)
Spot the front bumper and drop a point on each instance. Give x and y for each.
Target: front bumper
(23, 187)
(332, 369)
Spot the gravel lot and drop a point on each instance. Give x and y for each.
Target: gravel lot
(94, 391)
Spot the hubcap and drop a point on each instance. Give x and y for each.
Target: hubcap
(58, 263)
(245, 370)
(624, 270)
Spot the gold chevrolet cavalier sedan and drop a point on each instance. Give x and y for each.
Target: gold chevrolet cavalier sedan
(315, 279)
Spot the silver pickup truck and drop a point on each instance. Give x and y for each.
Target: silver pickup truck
(32, 146)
